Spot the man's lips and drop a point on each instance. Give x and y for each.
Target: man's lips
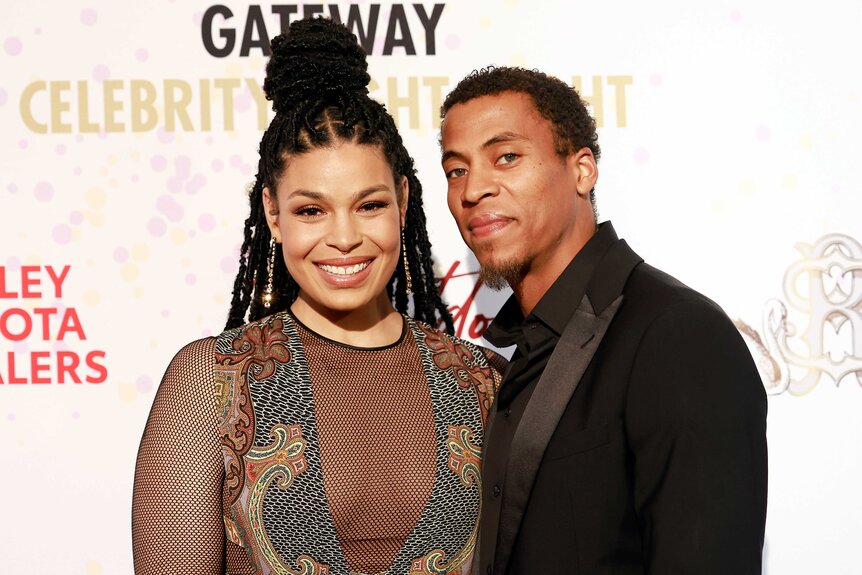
(487, 224)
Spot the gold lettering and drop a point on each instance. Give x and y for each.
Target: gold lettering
(227, 86)
(619, 83)
(177, 107)
(27, 106)
(436, 84)
(595, 101)
(112, 105)
(410, 101)
(84, 123)
(206, 105)
(259, 101)
(143, 96)
(59, 106)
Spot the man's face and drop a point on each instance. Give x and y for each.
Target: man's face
(515, 199)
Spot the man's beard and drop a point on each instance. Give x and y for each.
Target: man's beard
(501, 275)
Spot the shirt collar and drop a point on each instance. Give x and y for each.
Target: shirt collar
(559, 303)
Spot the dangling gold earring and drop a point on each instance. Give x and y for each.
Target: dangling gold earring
(267, 291)
(409, 282)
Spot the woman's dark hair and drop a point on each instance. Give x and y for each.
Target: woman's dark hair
(317, 80)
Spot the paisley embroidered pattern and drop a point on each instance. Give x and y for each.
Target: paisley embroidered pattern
(275, 493)
(459, 358)
(465, 458)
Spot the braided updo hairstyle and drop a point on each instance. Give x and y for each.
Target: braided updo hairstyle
(317, 80)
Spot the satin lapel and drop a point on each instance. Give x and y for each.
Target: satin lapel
(558, 382)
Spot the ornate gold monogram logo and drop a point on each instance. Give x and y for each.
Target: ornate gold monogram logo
(825, 285)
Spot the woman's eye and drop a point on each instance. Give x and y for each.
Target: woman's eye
(308, 211)
(373, 206)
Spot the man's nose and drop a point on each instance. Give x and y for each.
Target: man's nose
(480, 184)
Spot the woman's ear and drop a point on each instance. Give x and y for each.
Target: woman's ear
(270, 210)
(403, 197)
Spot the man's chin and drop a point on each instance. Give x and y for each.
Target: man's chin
(498, 276)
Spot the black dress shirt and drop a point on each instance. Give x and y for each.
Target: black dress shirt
(535, 338)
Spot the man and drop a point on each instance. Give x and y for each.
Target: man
(629, 434)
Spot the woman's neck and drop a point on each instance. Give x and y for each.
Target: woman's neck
(376, 324)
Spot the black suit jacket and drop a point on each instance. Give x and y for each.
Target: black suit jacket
(643, 446)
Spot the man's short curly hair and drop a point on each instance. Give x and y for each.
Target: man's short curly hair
(555, 100)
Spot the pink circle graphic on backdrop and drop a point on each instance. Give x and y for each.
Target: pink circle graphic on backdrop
(43, 191)
(3, 96)
(158, 163)
(12, 46)
(12, 188)
(62, 234)
(23, 144)
(228, 265)
(142, 55)
(60, 149)
(169, 208)
(144, 384)
(207, 222)
(641, 156)
(217, 165)
(164, 135)
(88, 16)
(121, 254)
(183, 165)
(191, 279)
(76, 218)
(242, 102)
(157, 227)
(101, 73)
(764, 133)
(195, 184)
(175, 184)
(453, 41)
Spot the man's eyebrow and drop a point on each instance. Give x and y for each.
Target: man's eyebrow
(502, 137)
(493, 140)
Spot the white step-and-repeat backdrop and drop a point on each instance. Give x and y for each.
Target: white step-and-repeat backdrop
(731, 135)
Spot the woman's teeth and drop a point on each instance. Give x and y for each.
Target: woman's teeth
(344, 270)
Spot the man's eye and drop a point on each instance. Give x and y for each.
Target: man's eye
(456, 173)
(508, 158)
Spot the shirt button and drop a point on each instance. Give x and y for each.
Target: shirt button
(489, 570)
(496, 491)
(507, 412)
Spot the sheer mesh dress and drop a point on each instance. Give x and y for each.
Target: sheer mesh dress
(271, 449)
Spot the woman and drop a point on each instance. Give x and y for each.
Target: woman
(345, 436)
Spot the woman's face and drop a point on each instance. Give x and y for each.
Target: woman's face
(338, 214)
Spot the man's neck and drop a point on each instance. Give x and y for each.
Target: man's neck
(544, 271)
